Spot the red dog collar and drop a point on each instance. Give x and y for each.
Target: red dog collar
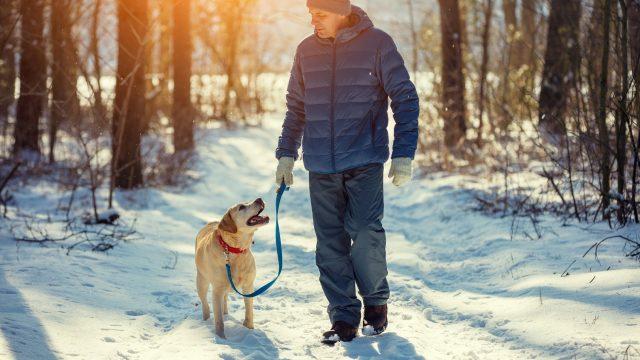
(227, 248)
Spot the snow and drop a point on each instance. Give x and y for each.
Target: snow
(463, 286)
(333, 337)
(368, 330)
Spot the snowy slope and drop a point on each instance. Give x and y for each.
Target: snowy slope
(461, 288)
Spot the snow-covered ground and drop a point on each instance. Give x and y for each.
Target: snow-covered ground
(462, 286)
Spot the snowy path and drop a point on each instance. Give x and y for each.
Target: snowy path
(461, 288)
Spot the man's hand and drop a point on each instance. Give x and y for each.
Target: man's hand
(284, 172)
(400, 170)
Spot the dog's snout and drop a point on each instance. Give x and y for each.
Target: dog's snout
(260, 202)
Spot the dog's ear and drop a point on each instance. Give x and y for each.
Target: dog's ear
(228, 224)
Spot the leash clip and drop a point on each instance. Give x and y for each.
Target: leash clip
(226, 257)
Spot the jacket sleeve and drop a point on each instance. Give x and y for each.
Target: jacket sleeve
(404, 99)
(293, 126)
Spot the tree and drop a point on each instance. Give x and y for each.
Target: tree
(32, 78)
(561, 65)
(511, 31)
(94, 47)
(601, 120)
(182, 111)
(453, 103)
(484, 66)
(64, 102)
(129, 104)
(622, 110)
(634, 45)
(633, 13)
(414, 40)
(163, 60)
(8, 21)
(594, 48)
(526, 45)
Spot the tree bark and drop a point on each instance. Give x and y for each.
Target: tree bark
(561, 65)
(414, 40)
(486, 37)
(603, 130)
(633, 12)
(129, 105)
(526, 45)
(622, 112)
(33, 72)
(594, 48)
(510, 31)
(453, 88)
(8, 21)
(164, 58)
(94, 47)
(508, 96)
(182, 109)
(64, 102)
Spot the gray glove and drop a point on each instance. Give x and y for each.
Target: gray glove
(400, 170)
(284, 172)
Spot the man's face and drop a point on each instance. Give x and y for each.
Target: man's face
(325, 23)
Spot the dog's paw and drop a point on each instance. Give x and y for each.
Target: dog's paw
(248, 324)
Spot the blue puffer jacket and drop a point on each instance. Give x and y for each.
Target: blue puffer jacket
(337, 100)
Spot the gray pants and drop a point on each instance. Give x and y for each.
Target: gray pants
(347, 217)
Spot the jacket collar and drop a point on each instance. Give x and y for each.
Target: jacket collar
(228, 248)
(361, 23)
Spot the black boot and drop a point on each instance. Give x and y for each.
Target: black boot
(375, 319)
(340, 331)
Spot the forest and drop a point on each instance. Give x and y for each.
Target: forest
(129, 124)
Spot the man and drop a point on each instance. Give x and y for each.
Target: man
(337, 104)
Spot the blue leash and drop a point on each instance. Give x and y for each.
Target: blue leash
(266, 286)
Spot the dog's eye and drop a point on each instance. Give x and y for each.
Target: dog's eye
(242, 207)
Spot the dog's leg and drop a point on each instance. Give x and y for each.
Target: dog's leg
(248, 307)
(203, 288)
(225, 308)
(218, 299)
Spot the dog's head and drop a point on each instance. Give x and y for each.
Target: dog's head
(244, 217)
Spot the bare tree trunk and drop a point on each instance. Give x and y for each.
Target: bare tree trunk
(486, 37)
(64, 105)
(414, 40)
(232, 36)
(633, 13)
(453, 88)
(8, 19)
(511, 26)
(129, 105)
(594, 48)
(507, 98)
(561, 66)
(526, 53)
(603, 130)
(526, 59)
(94, 46)
(622, 113)
(182, 109)
(164, 58)
(33, 70)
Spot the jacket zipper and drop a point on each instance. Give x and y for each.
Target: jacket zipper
(333, 100)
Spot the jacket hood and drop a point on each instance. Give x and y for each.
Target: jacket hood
(361, 22)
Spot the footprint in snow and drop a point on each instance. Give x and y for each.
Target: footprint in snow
(134, 313)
